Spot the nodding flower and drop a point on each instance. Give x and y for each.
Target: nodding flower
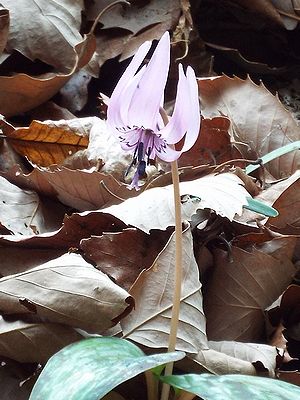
(134, 112)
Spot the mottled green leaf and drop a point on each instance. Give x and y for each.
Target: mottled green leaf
(234, 387)
(89, 369)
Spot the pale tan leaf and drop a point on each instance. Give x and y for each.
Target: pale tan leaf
(220, 363)
(45, 30)
(258, 119)
(20, 210)
(149, 322)
(241, 288)
(154, 208)
(252, 352)
(33, 342)
(66, 290)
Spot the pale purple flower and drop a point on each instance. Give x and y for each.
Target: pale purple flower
(133, 113)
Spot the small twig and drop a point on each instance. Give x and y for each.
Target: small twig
(259, 161)
(110, 192)
(286, 14)
(104, 11)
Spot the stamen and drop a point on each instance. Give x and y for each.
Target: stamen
(140, 156)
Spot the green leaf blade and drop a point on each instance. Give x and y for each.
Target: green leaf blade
(234, 387)
(91, 368)
(261, 208)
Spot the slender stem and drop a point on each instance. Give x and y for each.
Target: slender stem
(152, 386)
(178, 268)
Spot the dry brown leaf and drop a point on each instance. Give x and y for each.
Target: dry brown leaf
(241, 288)
(154, 208)
(149, 322)
(123, 255)
(11, 378)
(74, 228)
(33, 342)
(4, 28)
(258, 119)
(213, 145)
(46, 30)
(68, 291)
(21, 92)
(263, 7)
(284, 7)
(252, 352)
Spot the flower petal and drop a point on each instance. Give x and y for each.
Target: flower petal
(147, 98)
(115, 102)
(185, 119)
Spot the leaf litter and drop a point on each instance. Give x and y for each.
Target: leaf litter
(80, 252)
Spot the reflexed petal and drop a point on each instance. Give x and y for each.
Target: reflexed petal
(185, 119)
(177, 126)
(193, 118)
(146, 100)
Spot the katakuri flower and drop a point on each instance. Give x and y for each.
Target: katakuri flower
(134, 109)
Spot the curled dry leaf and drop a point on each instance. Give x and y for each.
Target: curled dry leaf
(221, 363)
(68, 291)
(149, 322)
(21, 92)
(258, 119)
(241, 288)
(51, 35)
(154, 208)
(20, 210)
(33, 342)
(256, 353)
(131, 26)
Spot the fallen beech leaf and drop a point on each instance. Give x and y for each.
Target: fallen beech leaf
(241, 288)
(68, 291)
(33, 342)
(123, 255)
(154, 208)
(51, 35)
(21, 92)
(74, 228)
(51, 142)
(258, 119)
(253, 352)
(148, 323)
(20, 211)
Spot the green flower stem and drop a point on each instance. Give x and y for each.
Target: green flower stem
(178, 266)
